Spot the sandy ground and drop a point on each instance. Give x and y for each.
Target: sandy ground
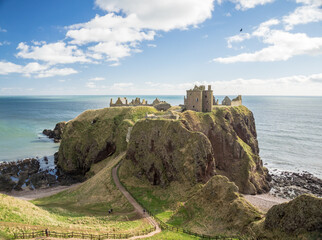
(264, 201)
(33, 194)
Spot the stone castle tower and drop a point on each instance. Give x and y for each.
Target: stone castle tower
(199, 99)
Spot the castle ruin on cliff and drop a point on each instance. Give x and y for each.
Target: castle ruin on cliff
(201, 100)
(123, 102)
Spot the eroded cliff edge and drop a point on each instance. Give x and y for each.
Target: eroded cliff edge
(222, 142)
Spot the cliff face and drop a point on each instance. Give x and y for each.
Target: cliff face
(95, 135)
(191, 149)
(165, 151)
(232, 133)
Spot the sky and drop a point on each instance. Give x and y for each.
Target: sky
(160, 47)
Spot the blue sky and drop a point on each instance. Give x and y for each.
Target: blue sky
(160, 46)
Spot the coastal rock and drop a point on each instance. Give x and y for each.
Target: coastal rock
(291, 185)
(232, 133)
(43, 180)
(56, 133)
(302, 214)
(170, 152)
(6, 183)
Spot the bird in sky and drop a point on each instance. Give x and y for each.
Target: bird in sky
(241, 30)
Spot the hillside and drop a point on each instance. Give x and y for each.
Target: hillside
(80, 209)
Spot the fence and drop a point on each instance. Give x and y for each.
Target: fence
(165, 226)
(81, 235)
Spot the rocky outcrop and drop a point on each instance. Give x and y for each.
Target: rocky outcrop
(95, 135)
(164, 151)
(232, 133)
(57, 133)
(303, 214)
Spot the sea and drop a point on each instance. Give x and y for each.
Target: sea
(289, 129)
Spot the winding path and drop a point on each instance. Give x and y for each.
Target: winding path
(136, 205)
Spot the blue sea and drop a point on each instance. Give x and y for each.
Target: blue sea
(289, 128)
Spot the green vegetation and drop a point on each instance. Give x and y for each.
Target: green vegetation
(167, 235)
(79, 209)
(96, 134)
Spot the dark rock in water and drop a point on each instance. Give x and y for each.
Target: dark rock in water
(56, 134)
(301, 214)
(6, 183)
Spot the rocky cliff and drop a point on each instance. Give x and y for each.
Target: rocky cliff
(164, 151)
(191, 149)
(232, 133)
(95, 135)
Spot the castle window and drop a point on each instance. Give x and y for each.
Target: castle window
(197, 99)
(193, 106)
(206, 96)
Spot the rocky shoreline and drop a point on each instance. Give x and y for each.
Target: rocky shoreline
(27, 174)
(290, 185)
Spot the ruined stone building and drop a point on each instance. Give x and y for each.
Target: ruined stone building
(235, 102)
(201, 100)
(123, 102)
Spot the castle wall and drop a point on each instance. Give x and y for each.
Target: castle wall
(194, 100)
(236, 103)
(207, 100)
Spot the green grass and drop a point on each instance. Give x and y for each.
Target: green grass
(168, 235)
(80, 209)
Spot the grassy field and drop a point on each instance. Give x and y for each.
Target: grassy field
(80, 209)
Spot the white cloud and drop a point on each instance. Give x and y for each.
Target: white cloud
(62, 80)
(52, 53)
(97, 79)
(122, 85)
(150, 45)
(4, 43)
(162, 15)
(304, 85)
(237, 38)
(91, 85)
(284, 45)
(247, 4)
(2, 30)
(8, 67)
(304, 15)
(119, 35)
(34, 69)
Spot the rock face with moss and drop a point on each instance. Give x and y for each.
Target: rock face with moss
(95, 135)
(232, 133)
(165, 151)
(303, 214)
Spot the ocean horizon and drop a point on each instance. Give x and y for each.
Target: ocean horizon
(288, 127)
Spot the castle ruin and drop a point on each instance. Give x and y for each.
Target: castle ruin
(201, 100)
(123, 102)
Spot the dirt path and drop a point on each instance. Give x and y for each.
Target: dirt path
(136, 206)
(38, 193)
(264, 201)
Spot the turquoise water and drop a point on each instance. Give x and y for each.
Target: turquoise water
(289, 128)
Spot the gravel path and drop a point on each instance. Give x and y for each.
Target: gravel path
(136, 205)
(264, 201)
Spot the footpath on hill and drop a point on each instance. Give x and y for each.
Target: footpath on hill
(136, 206)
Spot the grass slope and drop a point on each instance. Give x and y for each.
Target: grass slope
(80, 209)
